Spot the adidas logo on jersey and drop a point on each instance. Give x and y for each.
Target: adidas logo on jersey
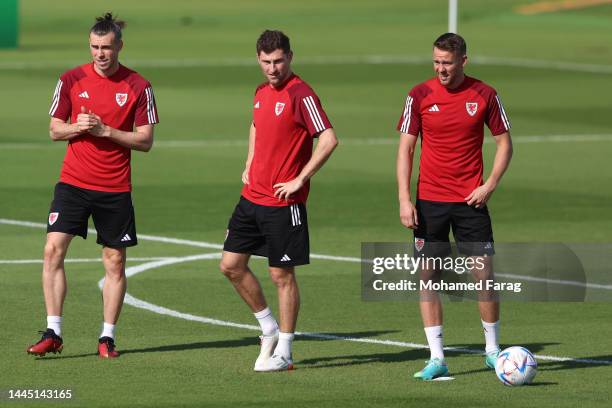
(434, 109)
(257, 105)
(285, 258)
(84, 94)
(125, 238)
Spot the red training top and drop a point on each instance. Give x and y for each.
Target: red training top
(286, 120)
(451, 125)
(122, 100)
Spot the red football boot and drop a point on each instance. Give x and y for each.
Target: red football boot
(49, 343)
(106, 348)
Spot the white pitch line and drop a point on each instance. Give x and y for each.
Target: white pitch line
(385, 141)
(141, 304)
(555, 281)
(81, 260)
(167, 240)
(210, 245)
(131, 300)
(322, 60)
(558, 138)
(373, 141)
(542, 64)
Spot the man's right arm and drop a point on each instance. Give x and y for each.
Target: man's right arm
(405, 158)
(62, 130)
(247, 167)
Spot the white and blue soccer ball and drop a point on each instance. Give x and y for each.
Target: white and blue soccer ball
(516, 366)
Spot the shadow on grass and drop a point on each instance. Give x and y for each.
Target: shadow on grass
(541, 383)
(248, 341)
(231, 343)
(478, 348)
(591, 362)
(543, 365)
(244, 342)
(358, 359)
(404, 355)
(473, 350)
(64, 357)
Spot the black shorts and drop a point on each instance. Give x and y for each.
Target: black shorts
(112, 214)
(471, 228)
(277, 233)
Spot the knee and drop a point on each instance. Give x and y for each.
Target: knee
(114, 264)
(115, 272)
(231, 271)
(54, 254)
(282, 277)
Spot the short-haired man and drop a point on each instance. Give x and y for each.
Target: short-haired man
(449, 111)
(95, 108)
(270, 218)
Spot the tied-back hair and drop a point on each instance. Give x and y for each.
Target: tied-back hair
(108, 24)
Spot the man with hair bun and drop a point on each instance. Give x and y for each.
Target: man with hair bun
(103, 110)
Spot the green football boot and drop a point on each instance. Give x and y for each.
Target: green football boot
(491, 359)
(435, 368)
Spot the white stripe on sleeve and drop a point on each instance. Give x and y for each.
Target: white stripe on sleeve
(149, 119)
(502, 112)
(150, 105)
(56, 97)
(407, 115)
(314, 114)
(315, 110)
(153, 106)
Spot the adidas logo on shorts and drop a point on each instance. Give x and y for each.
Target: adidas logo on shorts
(285, 258)
(126, 238)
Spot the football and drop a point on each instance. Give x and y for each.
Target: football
(516, 366)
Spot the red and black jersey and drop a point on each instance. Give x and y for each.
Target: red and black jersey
(286, 120)
(123, 100)
(451, 125)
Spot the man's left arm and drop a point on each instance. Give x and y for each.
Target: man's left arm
(503, 153)
(326, 145)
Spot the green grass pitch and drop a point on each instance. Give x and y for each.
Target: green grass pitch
(552, 72)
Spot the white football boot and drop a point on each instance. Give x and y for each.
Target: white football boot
(277, 363)
(268, 344)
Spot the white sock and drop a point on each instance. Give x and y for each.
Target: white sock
(283, 348)
(108, 330)
(491, 332)
(435, 340)
(267, 322)
(55, 323)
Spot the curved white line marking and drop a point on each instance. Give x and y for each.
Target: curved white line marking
(201, 244)
(141, 304)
